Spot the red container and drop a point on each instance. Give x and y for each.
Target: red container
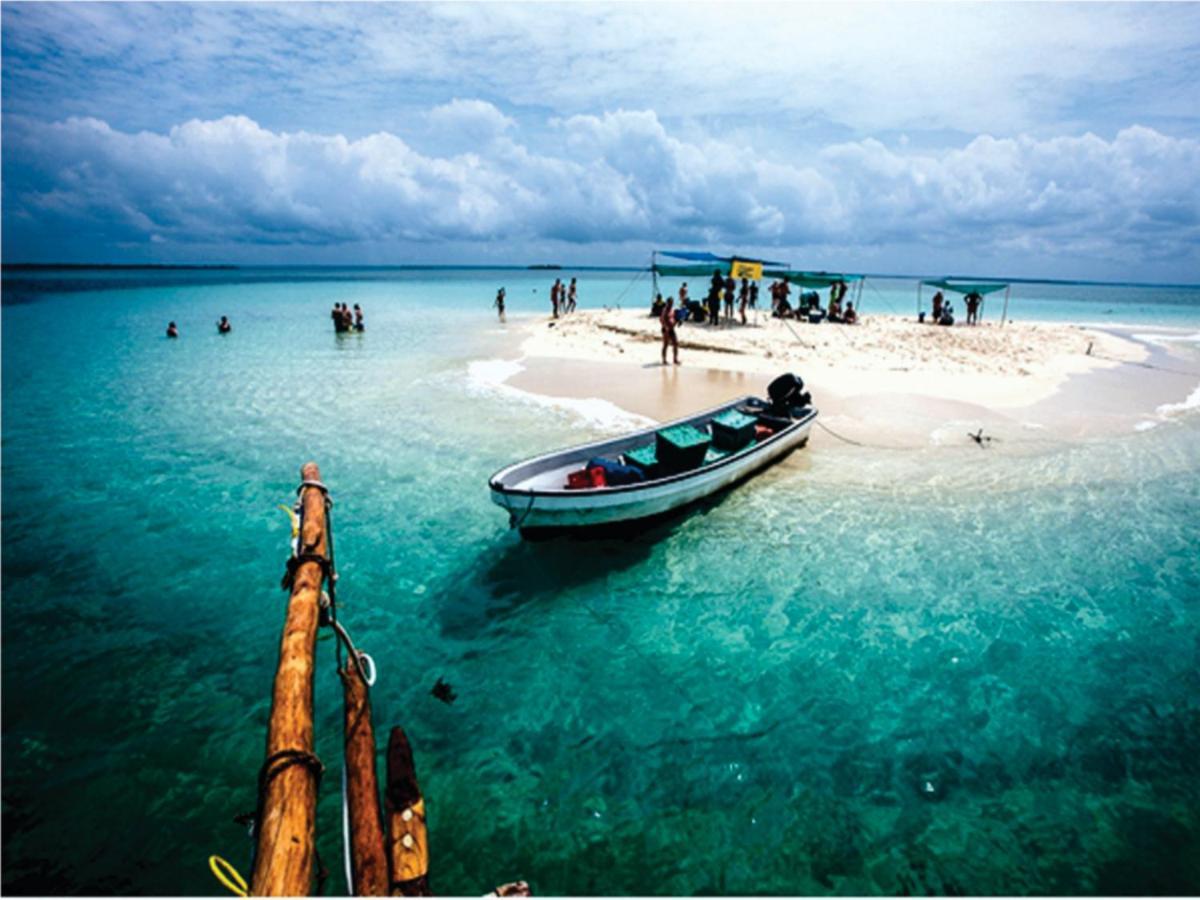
(598, 479)
(579, 480)
(762, 432)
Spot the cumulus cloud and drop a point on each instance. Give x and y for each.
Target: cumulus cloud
(614, 178)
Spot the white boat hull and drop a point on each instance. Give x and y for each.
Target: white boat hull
(538, 507)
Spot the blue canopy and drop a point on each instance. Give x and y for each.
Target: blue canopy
(705, 256)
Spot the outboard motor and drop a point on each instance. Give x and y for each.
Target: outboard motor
(788, 396)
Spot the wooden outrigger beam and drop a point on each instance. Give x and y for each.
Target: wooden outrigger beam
(369, 868)
(288, 782)
(408, 841)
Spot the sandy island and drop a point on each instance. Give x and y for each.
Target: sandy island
(885, 379)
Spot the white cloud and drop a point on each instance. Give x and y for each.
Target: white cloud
(618, 177)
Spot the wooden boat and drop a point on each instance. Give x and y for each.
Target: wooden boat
(538, 500)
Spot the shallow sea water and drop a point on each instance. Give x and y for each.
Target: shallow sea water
(861, 673)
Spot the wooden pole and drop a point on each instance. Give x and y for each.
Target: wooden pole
(408, 842)
(367, 860)
(286, 827)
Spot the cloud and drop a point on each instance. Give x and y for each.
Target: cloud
(620, 178)
(863, 69)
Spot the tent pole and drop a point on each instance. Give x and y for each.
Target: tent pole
(653, 276)
(1004, 316)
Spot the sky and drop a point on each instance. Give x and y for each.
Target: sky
(1028, 140)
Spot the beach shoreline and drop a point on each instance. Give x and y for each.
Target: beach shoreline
(887, 381)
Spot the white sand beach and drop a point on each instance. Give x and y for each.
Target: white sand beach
(886, 379)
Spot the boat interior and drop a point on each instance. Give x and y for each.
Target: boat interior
(660, 452)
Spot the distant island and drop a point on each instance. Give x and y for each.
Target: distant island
(543, 266)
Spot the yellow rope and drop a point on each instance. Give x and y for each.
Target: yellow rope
(291, 515)
(228, 876)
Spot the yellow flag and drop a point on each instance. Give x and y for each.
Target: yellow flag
(742, 269)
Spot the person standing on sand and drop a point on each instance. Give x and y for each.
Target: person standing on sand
(937, 307)
(730, 290)
(754, 296)
(667, 321)
(172, 331)
(744, 298)
(571, 297)
(556, 296)
(499, 304)
(973, 300)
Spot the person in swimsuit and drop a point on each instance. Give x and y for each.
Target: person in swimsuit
(223, 327)
(358, 318)
(667, 320)
(499, 304)
(754, 295)
(556, 296)
(571, 297)
(937, 307)
(744, 298)
(730, 290)
(172, 331)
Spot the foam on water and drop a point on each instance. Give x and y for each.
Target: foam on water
(491, 376)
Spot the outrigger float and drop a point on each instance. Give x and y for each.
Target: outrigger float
(380, 861)
(657, 470)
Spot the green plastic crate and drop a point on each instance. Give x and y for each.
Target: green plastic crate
(716, 453)
(681, 448)
(733, 430)
(645, 458)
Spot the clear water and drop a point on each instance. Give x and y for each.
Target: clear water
(860, 673)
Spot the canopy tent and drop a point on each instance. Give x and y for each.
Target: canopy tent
(963, 287)
(685, 271)
(702, 264)
(983, 288)
(704, 256)
(812, 279)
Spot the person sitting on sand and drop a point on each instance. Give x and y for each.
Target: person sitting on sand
(947, 315)
(667, 321)
(938, 299)
(358, 318)
(973, 300)
(850, 316)
(172, 331)
(223, 327)
(571, 297)
(835, 307)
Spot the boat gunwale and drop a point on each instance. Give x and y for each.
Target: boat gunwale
(582, 493)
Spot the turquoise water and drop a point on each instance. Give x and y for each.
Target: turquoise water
(860, 673)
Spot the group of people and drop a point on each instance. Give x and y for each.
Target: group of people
(808, 307)
(346, 320)
(223, 327)
(562, 297)
(943, 311)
